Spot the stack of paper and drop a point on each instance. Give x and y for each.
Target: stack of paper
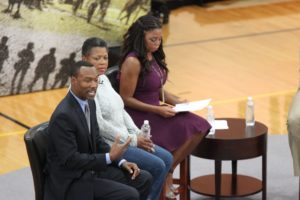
(191, 106)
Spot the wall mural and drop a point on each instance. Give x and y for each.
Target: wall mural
(41, 39)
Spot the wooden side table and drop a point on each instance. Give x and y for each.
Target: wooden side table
(236, 143)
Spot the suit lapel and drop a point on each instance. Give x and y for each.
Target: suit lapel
(80, 113)
(93, 121)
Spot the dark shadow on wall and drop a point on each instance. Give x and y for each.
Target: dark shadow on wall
(26, 56)
(45, 66)
(63, 75)
(4, 53)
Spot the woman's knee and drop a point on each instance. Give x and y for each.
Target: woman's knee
(168, 160)
(165, 158)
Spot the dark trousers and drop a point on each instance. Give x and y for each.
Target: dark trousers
(116, 184)
(141, 183)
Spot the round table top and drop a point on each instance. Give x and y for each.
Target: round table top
(235, 143)
(237, 130)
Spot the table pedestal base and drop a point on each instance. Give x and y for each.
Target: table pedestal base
(230, 187)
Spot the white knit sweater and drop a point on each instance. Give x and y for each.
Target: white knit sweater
(111, 115)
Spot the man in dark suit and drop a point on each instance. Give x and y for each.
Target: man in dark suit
(80, 165)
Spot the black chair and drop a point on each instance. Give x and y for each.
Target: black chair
(112, 73)
(114, 55)
(36, 141)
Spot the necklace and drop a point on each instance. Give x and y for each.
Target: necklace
(160, 74)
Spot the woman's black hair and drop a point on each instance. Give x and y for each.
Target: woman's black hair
(90, 43)
(134, 41)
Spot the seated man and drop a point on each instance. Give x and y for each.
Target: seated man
(80, 165)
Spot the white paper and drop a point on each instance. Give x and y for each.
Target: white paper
(191, 106)
(220, 124)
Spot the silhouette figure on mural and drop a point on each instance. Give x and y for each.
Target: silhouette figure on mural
(4, 54)
(68, 2)
(26, 57)
(34, 3)
(104, 4)
(77, 4)
(130, 7)
(10, 7)
(64, 72)
(91, 10)
(45, 66)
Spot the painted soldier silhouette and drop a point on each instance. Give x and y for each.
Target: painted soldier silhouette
(64, 72)
(26, 57)
(91, 10)
(130, 7)
(4, 53)
(10, 8)
(104, 4)
(45, 66)
(77, 4)
(34, 3)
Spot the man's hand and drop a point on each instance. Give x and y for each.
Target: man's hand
(132, 168)
(117, 149)
(145, 143)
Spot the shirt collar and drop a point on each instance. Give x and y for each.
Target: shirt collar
(81, 102)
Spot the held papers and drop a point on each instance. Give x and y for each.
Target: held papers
(191, 106)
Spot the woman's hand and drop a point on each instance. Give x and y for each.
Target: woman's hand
(166, 111)
(145, 143)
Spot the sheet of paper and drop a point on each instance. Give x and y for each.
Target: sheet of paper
(220, 124)
(192, 106)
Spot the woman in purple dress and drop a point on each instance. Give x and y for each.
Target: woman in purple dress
(142, 76)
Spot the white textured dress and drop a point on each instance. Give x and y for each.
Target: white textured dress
(111, 115)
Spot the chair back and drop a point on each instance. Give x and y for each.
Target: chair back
(112, 73)
(36, 141)
(114, 55)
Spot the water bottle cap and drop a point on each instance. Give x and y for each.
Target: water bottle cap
(146, 122)
(209, 107)
(250, 98)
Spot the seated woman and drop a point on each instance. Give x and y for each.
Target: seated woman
(113, 120)
(142, 76)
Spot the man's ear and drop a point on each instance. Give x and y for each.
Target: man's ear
(73, 79)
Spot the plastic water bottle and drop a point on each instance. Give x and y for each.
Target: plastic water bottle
(211, 118)
(249, 116)
(146, 131)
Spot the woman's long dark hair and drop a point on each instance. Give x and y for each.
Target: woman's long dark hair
(134, 41)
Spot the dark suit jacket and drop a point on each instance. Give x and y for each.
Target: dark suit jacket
(73, 155)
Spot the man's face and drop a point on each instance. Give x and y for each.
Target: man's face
(85, 82)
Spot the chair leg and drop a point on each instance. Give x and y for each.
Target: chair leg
(184, 179)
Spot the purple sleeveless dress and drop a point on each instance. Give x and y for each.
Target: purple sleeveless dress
(169, 133)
